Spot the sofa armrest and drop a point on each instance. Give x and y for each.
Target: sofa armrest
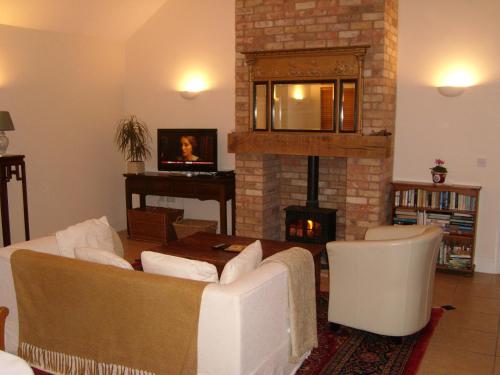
(4, 311)
(244, 325)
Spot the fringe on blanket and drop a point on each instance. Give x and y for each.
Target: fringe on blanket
(66, 364)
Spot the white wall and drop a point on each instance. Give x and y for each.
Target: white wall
(184, 37)
(64, 94)
(432, 36)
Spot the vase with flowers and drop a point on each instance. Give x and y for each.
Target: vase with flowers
(439, 172)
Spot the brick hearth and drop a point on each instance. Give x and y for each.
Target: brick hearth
(357, 187)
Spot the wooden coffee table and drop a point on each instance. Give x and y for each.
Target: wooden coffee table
(198, 246)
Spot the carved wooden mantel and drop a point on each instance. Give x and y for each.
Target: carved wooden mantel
(308, 144)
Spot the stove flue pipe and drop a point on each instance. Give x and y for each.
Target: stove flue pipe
(312, 181)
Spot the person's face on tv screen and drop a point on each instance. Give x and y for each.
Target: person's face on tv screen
(186, 147)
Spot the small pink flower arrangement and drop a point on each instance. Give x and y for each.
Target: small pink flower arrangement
(439, 167)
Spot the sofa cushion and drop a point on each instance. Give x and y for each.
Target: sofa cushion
(91, 254)
(94, 233)
(117, 243)
(168, 265)
(244, 262)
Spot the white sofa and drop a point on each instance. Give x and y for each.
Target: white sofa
(13, 365)
(243, 326)
(384, 284)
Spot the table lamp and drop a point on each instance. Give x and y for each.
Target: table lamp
(5, 125)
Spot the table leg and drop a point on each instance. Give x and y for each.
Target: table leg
(4, 207)
(223, 216)
(25, 204)
(128, 204)
(233, 216)
(317, 272)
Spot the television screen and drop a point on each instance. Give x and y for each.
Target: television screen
(191, 150)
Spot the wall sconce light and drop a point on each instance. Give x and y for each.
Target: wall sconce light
(189, 94)
(193, 86)
(455, 81)
(451, 91)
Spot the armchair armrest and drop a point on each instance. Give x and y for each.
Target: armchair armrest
(4, 311)
(394, 232)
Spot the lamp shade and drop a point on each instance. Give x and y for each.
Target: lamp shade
(6, 121)
(451, 91)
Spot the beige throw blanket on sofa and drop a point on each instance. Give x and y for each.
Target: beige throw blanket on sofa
(78, 317)
(301, 299)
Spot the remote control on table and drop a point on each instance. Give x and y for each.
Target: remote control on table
(220, 246)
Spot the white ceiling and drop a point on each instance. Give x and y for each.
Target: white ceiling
(113, 19)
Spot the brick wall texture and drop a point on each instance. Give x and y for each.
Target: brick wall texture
(358, 188)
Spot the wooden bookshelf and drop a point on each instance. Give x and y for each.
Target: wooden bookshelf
(452, 207)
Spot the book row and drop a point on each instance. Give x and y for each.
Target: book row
(450, 222)
(455, 255)
(447, 200)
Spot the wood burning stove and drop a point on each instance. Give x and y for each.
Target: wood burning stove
(311, 224)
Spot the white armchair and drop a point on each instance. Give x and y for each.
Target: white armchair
(384, 284)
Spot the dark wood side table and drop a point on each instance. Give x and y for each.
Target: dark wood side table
(219, 188)
(12, 165)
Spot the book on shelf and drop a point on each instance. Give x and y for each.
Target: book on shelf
(463, 215)
(460, 256)
(404, 221)
(459, 263)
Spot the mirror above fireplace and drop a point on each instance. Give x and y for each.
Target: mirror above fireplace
(317, 90)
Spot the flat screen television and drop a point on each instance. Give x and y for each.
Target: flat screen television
(187, 150)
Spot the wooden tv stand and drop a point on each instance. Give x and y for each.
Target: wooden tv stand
(202, 187)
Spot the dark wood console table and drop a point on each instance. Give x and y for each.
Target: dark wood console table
(12, 165)
(205, 187)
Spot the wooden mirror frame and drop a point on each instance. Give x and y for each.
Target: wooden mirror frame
(255, 84)
(341, 64)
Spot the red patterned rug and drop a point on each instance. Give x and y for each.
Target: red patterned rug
(353, 352)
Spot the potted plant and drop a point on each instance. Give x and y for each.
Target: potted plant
(439, 172)
(132, 139)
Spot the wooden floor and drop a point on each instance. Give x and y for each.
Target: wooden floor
(466, 340)
(132, 249)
